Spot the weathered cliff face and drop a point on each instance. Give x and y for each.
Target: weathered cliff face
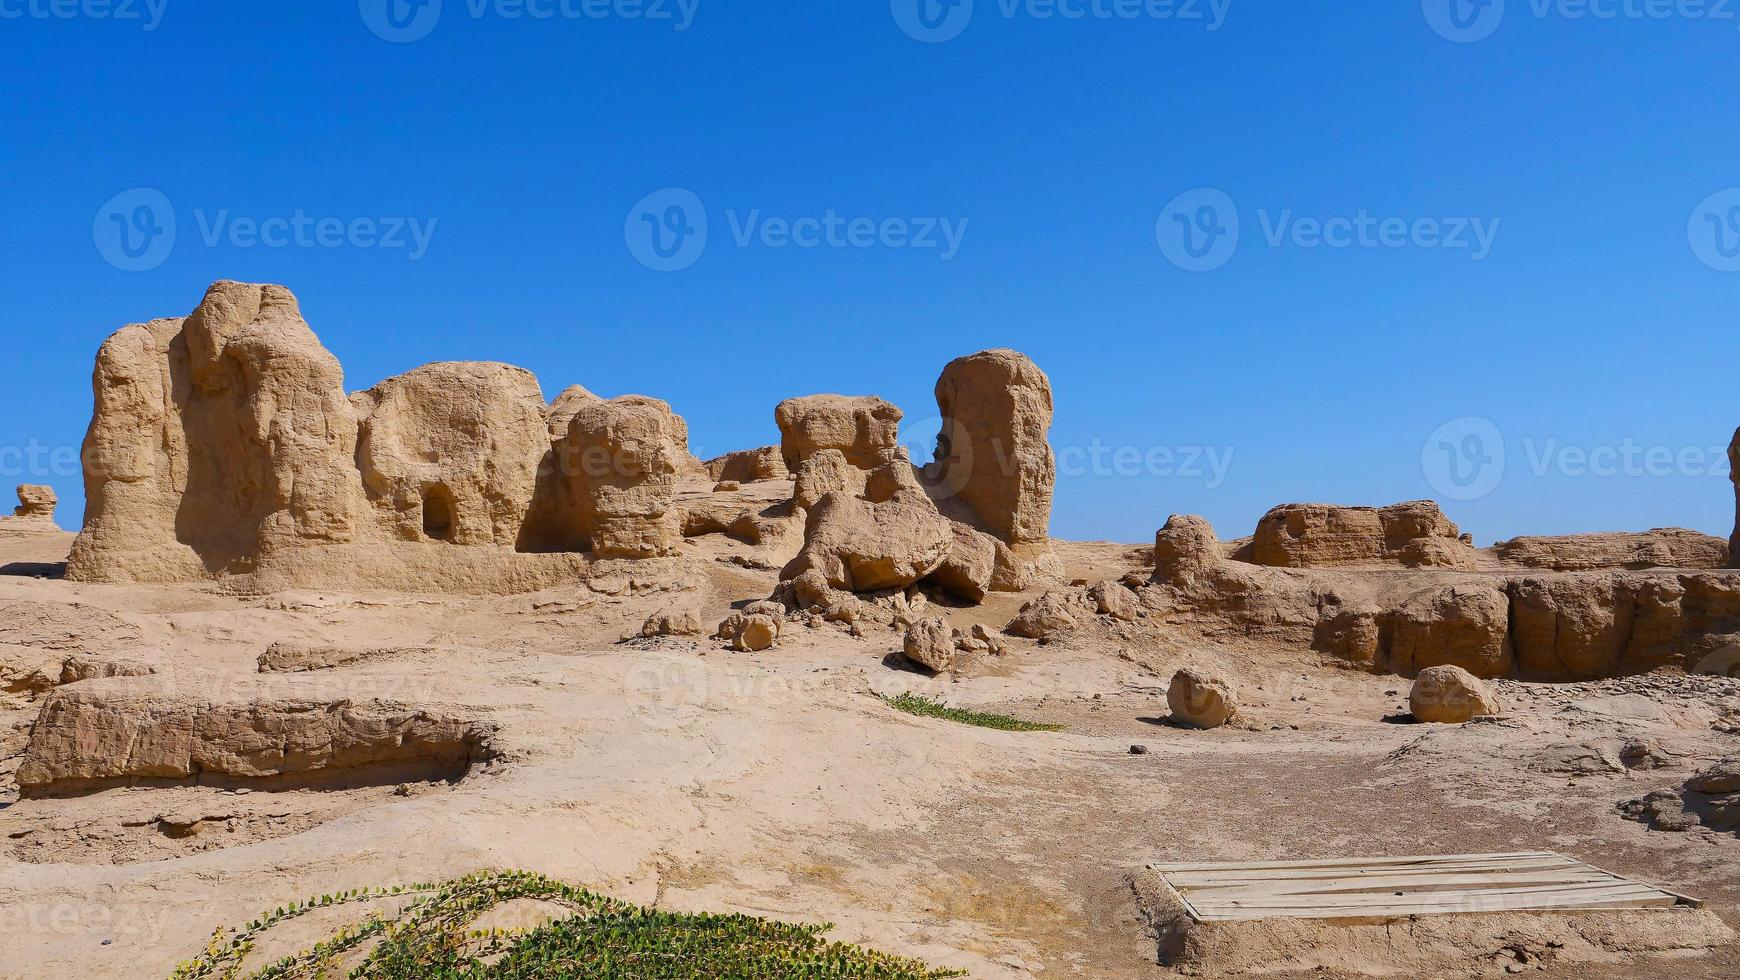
(223, 446)
(216, 440)
(1413, 534)
(1493, 620)
(993, 452)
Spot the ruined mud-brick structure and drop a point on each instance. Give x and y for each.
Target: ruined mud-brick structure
(223, 445)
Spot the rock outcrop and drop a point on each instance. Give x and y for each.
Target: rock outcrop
(865, 430)
(450, 452)
(1414, 534)
(623, 457)
(1461, 626)
(858, 545)
(1450, 695)
(749, 465)
(35, 511)
(993, 452)
(223, 446)
(1662, 548)
(109, 733)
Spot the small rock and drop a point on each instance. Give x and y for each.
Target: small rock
(1138, 750)
(1200, 699)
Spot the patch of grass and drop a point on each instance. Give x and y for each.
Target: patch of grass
(431, 938)
(916, 704)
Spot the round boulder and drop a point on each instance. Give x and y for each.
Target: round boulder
(1200, 699)
(1450, 695)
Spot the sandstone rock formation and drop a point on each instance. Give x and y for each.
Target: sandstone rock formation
(865, 430)
(749, 465)
(1662, 548)
(678, 621)
(143, 730)
(1711, 798)
(1201, 699)
(223, 446)
(1414, 534)
(860, 546)
(1493, 619)
(450, 452)
(1450, 695)
(624, 456)
(1734, 477)
(993, 451)
(1461, 626)
(35, 511)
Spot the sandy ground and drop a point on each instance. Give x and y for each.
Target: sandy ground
(675, 773)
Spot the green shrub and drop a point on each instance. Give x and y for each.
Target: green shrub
(431, 938)
(914, 704)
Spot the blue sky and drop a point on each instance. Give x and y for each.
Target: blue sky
(1537, 235)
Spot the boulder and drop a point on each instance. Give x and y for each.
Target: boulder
(970, 570)
(1414, 534)
(1450, 695)
(1201, 699)
(1112, 599)
(1722, 777)
(993, 452)
(450, 452)
(1661, 548)
(1459, 625)
(931, 643)
(622, 460)
(749, 632)
(1051, 614)
(861, 546)
(680, 621)
(866, 430)
(749, 465)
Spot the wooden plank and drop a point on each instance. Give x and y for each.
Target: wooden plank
(1463, 900)
(1404, 883)
(1514, 904)
(1347, 862)
(1198, 879)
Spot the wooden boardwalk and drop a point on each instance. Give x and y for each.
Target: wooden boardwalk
(1397, 887)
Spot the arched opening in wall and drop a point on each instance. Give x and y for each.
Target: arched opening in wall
(438, 517)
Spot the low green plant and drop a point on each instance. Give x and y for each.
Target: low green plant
(916, 704)
(431, 937)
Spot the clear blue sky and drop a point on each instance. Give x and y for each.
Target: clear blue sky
(1592, 319)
